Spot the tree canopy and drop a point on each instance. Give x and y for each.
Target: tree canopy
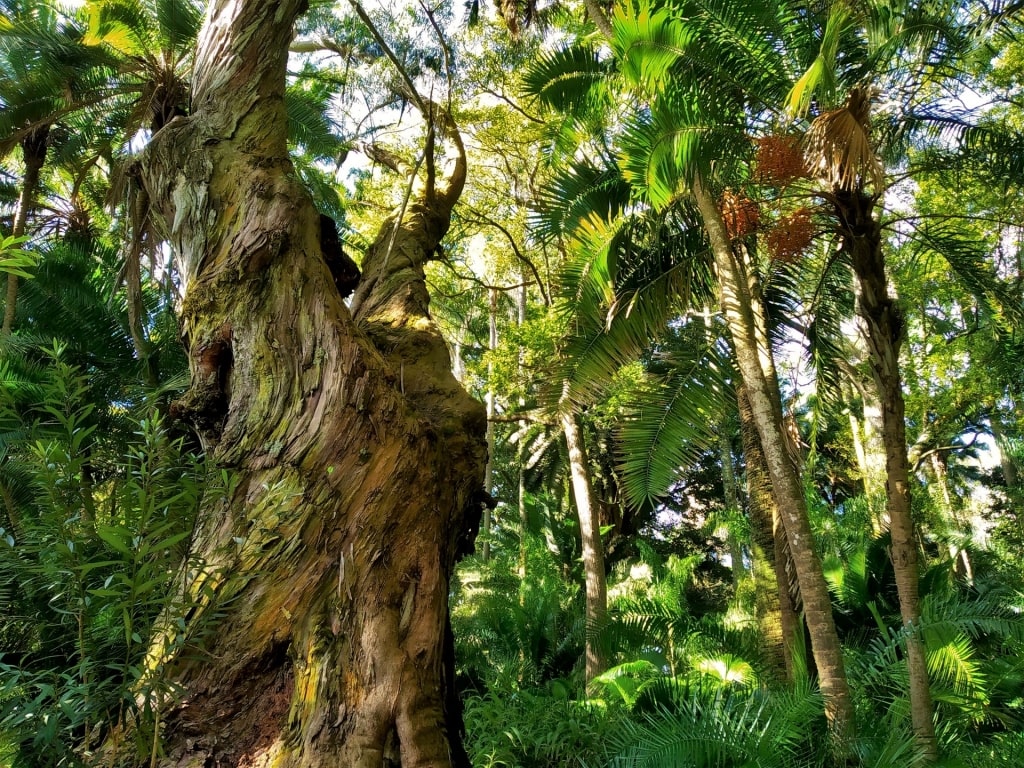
(516, 384)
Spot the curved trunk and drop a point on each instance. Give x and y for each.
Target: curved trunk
(757, 373)
(33, 149)
(884, 332)
(318, 583)
(593, 552)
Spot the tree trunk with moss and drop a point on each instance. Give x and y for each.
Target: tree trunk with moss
(319, 582)
(775, 601)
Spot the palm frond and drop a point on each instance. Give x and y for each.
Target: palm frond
(179, 22)
(571, 79)
(969, 260)
(579, 195)
(648, 42)
(671, 422)
(683, 132)
(309, 124)
(624, 296)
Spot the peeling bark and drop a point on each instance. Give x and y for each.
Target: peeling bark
(320, 607)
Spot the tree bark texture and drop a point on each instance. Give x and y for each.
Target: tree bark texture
(33, 150)
(776, 591)
(754, 361)
(593, 552)
(883, 326)
(319, 580)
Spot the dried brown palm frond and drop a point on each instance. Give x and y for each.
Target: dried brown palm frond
(838, 148)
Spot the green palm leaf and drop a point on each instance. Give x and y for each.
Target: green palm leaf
(671, 422)
(571, 79)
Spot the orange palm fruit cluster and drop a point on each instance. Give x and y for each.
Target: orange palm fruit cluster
(741, 215)
(790, 236)
(779, 160)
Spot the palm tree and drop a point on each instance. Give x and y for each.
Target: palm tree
(656, 262)
(694, 112)
(667, 150)
(114, 69)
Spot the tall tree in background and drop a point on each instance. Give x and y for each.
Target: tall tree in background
(358, 456)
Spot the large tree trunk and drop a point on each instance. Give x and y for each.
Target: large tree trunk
(33, 151)
(756, 368)
(883, 326)
(320, 579)
(593, 552)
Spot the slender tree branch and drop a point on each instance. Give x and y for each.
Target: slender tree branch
(413, 93)
(445, 49)
(485, 219)
(516, 107)
(944, 449)
(600, 18)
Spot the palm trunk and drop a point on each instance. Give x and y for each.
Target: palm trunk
(732, 504)
(356, 455)
(775, 603)
(593, 553)
(753, 359)
(1005, 457)
(33, 148)
(884, 331)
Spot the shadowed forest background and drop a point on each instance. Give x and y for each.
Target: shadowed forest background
(512, 385)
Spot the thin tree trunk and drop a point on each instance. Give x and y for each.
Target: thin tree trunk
(884, 333)
(599, 17)
(139, 204)
(859, 451)
(318, 584)
(730, 489)
(732, 504)
(33, 148)
(524, 517)
(492, 343)
(961, 559)
(776, 605)
(762, 390)
(1005, 458)
(593, 553)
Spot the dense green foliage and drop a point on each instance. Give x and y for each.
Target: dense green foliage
(576, 277)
